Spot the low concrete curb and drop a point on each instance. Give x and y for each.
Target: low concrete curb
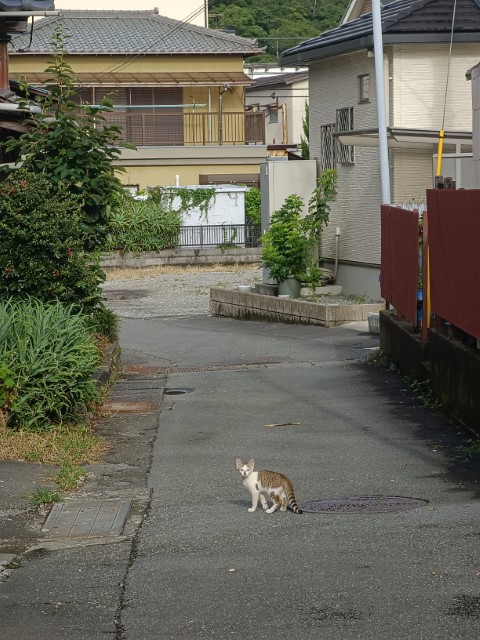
(255, 306)
(107, 371)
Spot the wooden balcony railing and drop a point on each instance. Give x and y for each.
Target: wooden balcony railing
(189, 129)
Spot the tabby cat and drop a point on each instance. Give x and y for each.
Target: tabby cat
(275, 485)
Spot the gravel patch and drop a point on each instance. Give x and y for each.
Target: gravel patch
(186, 294)
(179, 294)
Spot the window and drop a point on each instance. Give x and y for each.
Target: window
(327, 142)
(273, 116)
(344, 153)
(364, 88)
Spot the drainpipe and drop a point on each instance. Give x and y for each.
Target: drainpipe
(380, 89)
(285, 123)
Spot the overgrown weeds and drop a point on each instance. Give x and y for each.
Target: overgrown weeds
(66, 447)
(48, 356)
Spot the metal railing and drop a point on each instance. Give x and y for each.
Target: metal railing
(219, 235)
(189, 129)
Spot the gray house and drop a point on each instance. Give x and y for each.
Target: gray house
(343, 116)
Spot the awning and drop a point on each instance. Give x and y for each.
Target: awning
(165, 79)
(420, 139)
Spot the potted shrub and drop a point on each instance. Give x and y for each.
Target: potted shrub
(287, 246)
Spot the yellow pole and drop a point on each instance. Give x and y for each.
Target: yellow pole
(440, 153)
(429, 305)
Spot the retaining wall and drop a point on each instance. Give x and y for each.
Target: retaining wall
(184, 256)
(451, 368)
(268, 308)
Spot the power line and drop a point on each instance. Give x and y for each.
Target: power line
(115, 68)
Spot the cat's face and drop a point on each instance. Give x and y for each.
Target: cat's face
(245, 468)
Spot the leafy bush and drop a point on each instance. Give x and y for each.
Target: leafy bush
(50, 358)
(253, 201)
(143, 225)
(73, 149)
(41, 248)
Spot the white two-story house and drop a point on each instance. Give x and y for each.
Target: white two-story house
(343, 115)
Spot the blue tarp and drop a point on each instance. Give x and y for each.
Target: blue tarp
(27, 5)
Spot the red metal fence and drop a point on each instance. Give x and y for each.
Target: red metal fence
(451, 260)
(454, 246)
(399, 276)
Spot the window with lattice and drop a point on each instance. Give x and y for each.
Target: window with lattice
(327, 142)
(345, 153)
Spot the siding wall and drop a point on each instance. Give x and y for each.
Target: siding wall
(333, 85)
(419, 73)
(412, 175)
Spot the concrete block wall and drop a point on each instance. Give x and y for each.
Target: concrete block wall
(184, 256)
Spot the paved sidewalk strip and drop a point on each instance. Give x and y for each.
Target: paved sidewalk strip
(86, 519)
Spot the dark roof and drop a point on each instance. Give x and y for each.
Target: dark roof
(403, 21)
(279, 80)
(130, 32)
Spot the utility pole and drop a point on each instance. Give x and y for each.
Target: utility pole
(381, 112)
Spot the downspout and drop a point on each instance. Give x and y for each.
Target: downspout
(220, 117)
(285, 123)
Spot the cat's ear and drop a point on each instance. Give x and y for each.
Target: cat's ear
(251, 463)
(239, 463)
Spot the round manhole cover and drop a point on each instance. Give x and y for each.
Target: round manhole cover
(362, 504)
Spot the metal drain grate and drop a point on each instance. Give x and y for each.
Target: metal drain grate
(362, 504)
(147, 369)
(214, 367)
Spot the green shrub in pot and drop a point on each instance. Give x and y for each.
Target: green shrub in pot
(288, 243)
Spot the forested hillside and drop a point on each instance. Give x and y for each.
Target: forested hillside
(276, 24)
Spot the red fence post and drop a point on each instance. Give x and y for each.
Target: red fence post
(425, 279)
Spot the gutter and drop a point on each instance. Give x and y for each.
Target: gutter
(10, 106)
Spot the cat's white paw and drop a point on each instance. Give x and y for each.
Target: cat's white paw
(251, 509)
(271, 510)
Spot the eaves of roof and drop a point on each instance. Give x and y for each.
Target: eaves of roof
(403, 22)
(279, 80)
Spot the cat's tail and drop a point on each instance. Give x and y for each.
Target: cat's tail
(292, 499)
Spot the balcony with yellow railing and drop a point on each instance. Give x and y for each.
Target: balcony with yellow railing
(189, 129)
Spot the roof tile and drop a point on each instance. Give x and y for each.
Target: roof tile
(131, 32)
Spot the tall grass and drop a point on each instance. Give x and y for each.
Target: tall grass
(143, 226)
(51, 356)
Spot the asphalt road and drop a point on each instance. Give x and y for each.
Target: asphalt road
(206, 568)
(193, 563)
